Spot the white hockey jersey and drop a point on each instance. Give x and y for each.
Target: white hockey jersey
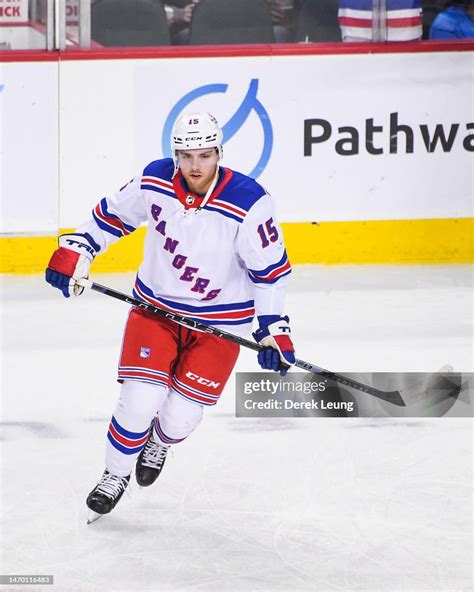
(220, 265)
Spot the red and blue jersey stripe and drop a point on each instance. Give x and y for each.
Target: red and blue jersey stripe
(227, 209)
(165, 188)
(391, 4)
(232, 197)
(158, 185)
(236, 313)
(110, 222)
(143, 375)
(272, 273)
(357, 14)
(194, 394)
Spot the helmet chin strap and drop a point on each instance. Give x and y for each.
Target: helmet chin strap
(209, 191)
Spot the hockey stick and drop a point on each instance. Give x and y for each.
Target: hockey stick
(393, 397)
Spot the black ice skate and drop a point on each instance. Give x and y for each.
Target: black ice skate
(105, 495)
(150, 462)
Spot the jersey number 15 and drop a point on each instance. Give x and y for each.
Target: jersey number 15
(268, 233)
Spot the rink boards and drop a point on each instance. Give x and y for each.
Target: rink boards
(369, 156)
(392, 241)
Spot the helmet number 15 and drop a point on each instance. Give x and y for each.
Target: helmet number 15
(267, 232)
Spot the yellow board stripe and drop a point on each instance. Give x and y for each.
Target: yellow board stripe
(380, 241)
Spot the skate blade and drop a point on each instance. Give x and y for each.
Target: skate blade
(93, 517)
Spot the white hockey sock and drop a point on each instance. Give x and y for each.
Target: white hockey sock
(130, 424)
(177, 419)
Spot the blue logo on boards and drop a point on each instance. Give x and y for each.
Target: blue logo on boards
(249, 103)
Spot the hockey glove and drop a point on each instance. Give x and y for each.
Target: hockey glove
(70, 262)
(278, 353)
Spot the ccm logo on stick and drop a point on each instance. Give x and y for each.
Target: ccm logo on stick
(201, 380)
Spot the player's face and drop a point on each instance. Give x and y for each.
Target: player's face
(198, 168)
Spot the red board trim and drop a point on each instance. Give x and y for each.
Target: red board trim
(230, 51)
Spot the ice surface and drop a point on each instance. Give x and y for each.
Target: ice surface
(244, 504)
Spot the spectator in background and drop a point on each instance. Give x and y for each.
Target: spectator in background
(179, 14)
(403, 21)
(456, 21)
(283, 19)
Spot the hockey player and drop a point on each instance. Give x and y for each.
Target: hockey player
(214, 252)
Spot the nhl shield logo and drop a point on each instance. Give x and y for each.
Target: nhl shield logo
(145, 352)
(189, 200)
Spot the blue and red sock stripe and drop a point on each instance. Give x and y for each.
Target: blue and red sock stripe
(110, 222)
(124, 440)
(164, 439)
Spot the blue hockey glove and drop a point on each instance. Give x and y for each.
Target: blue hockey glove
(71, 261)
(278, 353)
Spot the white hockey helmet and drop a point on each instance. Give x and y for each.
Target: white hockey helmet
(195, 131)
